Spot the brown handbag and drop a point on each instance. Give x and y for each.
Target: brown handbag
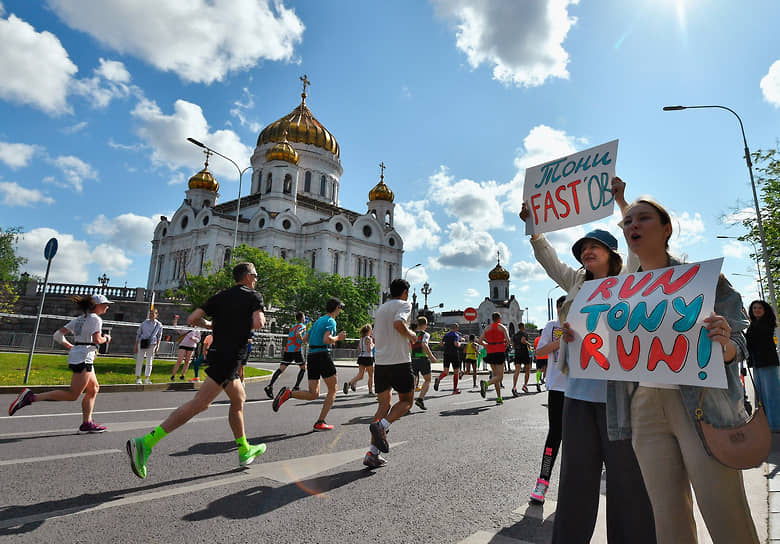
(745, 446)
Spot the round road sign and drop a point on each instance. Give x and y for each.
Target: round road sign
(470, 314)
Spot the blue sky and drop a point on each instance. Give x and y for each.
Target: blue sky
(456, 97)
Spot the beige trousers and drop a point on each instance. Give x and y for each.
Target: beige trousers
(672, 458)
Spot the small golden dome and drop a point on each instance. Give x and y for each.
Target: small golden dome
(499, 272)
(282, 151)
(381, 191)
(204, 180)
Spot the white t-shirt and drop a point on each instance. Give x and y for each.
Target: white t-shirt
(190, 339)
(391, 347)
(556, 380)
(83, 327)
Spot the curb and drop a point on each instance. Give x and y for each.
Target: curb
(121, 387)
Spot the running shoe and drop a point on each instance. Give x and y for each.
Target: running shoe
(499, 400)
(525, 389)
(269, 391)
(296, 388)
(25, 398)
(371, 394)
(138, 454)
(352, 386)
(540, 490)
(281, 398)
(483, 388)
(173, 378)
(181, 377)
(380, 436)
(148, 381)
(346, 387)
(195, 379)
(374, 460)
(456, 391)
(515, 393)
(538, 387)
(418, 388)
(420, 403)
(436, 384)
(91, 427)
(247, 457)
(138, 381)
(322, 426)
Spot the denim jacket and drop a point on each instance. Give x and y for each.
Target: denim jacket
(721, 407)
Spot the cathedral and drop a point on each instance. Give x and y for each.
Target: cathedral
(292, 210)
(499, 300)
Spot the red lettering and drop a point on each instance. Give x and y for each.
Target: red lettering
(561, 200)
(548, 204)
(573, 187)
(670, 287)
(603, 289)
(590, 350)
(675, 359)
(627, 291)
(535, 207)
(628, 360)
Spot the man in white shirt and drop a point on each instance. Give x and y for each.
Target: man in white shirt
(393, 368)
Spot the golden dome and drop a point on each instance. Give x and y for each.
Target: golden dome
(302, 127)
(499, 272)
(381, 191)
(282, 151)
(204, 180)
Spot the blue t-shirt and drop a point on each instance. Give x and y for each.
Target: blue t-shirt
(324, 324)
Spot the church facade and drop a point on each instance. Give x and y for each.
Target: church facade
(292, 210)
(499, 300)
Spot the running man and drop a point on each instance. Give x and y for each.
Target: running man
(495, 339)
(393, 368)
(422, 356)
(320, 337)
(234, 312)
(450, 343)
(523, 358)
(292, 355)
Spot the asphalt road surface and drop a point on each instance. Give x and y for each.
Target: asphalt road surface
(459, 472)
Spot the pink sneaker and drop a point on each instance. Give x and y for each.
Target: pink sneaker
(540, 490)
(91, 427)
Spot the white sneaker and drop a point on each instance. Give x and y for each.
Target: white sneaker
(148, 381)
(138, 381)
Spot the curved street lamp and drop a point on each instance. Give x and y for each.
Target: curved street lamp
(240, 177)
(411, 268)
(765, 253)
(758, 265)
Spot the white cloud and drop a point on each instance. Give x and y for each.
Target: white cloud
(113, 70)
(75, 171)
(688, 231)
(739, 216)
(73, 129)
(471, 293)
(16, 155)
(110, 259)
(417, 276)
(16, 195)
(770, 84)
(469, 248)
(35, 66)
(200, 40)
(167, 136)
(522, 41)
(476, 204)
(110, 81)
(524, 271)
(128, 232)
(68, 266)
(416, 225)
(736, 250)
(240, 108)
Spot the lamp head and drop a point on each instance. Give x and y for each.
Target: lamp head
(674, 108)
(196, 142)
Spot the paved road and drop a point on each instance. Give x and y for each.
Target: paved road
(459, 472)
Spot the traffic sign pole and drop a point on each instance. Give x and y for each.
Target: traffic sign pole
(49, 252)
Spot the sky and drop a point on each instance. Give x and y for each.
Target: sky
(456, 97)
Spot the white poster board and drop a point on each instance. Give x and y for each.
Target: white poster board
(648, 327)
(573, 190)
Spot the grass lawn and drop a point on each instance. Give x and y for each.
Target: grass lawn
(53, 370)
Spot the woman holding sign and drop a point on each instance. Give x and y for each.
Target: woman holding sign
(660, 418)
(586, 445)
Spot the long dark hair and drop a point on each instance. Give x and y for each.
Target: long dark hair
(615, 266)
(769, 314)
(84, 302)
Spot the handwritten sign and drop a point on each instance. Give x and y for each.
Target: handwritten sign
(648, 327)
(571, 191)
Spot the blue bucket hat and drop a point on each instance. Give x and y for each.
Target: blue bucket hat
(599, 235)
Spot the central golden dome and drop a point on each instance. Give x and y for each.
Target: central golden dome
(204, 180)
(302, 127)
(499, 272)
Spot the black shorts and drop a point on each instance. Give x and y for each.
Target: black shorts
(421, 365)
(365, 361)
(399, 377)
(470, 362)
(187, 348)
(496, 358)
(81, 367)
(451, 359)
(541, 363)
(320, 365)
(223, 368)
(292, 357)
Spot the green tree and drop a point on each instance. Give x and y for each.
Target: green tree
(767, 170)
(10, 263)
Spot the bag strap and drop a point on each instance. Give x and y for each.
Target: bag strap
(699, 412)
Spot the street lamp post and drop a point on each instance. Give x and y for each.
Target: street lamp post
(240, 177)
(764, 251)
(411, 268)
(527, 320)
(758, 265)
(426, 290)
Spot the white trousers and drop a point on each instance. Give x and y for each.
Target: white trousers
(139, 360)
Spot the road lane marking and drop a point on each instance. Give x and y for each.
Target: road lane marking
(55, 457)
(115, 427)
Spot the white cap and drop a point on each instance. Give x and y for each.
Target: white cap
(100, 299)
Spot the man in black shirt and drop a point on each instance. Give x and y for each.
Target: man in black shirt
(522, 357)
(235, 312)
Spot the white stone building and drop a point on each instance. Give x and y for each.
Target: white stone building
(500, 301)
(292, 210)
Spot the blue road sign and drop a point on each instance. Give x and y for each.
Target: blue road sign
(51, 249)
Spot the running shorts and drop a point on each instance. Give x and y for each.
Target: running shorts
(320, 365)
(293, 357)
(398, 377)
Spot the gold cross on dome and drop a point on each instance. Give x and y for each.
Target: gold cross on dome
(498, 257)
(382, 166)
(306, 82)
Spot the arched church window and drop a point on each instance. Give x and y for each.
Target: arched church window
(259, 179)
(184, 221)
(388, 220)
(288, 184)
(391, 241)
(307, 183)
(268, 183)
(495, 292)
(322, 185)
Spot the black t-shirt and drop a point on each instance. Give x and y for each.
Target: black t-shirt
(231, 313)
(521, 349)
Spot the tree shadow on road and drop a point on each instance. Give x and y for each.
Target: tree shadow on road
(259, 500)
(22, 519)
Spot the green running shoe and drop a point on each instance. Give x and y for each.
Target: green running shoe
(138, 454)
(247, 457)
(499, 400)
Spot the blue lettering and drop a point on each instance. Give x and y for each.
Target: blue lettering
(584, 166)
(689, 313)
(597, 205)
(649, 322)
(570, 163)
(593, 312)
(618, 316)
(548, 174)
(603, 160)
